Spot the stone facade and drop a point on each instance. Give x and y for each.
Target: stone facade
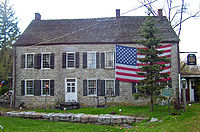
(59, 74)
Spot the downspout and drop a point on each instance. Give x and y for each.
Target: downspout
(178, 94)
(15, 78)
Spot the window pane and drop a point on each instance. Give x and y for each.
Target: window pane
(46, 60)
(44, 87)
(70, 56)
(91, 87)
(91, 60)
(68, 89)
(70, 64)
(110, 59)
(70, 80)
(29, 62)
(70, 60)
(29, 87)
(110, 87)
(73, 89)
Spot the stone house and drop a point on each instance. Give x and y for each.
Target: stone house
(76, 59)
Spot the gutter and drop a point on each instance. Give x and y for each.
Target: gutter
(15, 78)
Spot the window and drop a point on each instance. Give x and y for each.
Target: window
(44, 87)
(29, 87)
(91, 57)
(92, 87)
(45, 60)
(70, 60)
(29, 60)
(109, 60)
(110, 87)
(71, 85)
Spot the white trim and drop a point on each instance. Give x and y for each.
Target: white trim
(42, 53)
(87, 87)
(76, 99)
(26, 87)
(42, 87)
(74, 60)
(106, 87)
(26, 60)
(112, 58)
(95, 60)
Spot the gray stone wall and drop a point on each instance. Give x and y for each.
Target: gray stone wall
(58, 74)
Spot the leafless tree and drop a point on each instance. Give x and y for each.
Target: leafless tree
(177, 11)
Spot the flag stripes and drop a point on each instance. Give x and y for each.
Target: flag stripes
(127, 63)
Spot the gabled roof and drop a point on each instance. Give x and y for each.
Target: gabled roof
(126, 29)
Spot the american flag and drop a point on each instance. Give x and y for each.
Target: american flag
(127, 64)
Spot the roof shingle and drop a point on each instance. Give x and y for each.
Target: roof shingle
(102, 30)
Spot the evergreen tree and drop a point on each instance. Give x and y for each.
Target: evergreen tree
(150, 86)
(9, 30)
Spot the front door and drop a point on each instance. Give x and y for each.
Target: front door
(70, 90)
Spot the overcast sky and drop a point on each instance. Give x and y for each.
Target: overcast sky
(70, 9)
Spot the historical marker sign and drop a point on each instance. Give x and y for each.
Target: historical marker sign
(167, 92)
(191, 59)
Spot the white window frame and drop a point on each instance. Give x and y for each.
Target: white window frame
(136, 90)
(95, 60)
(88, 87)
(26, 87)
(26, 60)
(42, 59)
(113, 59)
(42, 87)
(67, 60)
(106, 86)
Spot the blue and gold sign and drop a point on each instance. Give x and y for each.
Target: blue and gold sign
(191, 59)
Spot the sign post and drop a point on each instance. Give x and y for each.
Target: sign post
(167, 92)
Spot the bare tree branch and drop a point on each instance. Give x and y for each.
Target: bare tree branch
(148, 6)
(197, 14)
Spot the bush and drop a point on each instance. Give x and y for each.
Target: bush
(4, 89)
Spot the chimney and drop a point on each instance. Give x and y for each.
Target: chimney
(37, 16)
(160, 14)
(117, 14)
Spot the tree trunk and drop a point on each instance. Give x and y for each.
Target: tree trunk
(151, 97)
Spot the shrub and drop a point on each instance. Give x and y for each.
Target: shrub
(4, 89)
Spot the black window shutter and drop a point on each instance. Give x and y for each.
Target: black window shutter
(37, 87)
(52, 87)
(52, 61)
(117, 87)
(37, 61)
(170, 85)
(133, 87)
(102, 60)
(84, 87)
(22, 87)
(77, 59)
(64, 55)
(97, 60)
(23, 60)
(84, 60)
(99, 88)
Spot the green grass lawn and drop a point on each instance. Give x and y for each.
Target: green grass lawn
(144, 111)
(188, 121)
(28, 125)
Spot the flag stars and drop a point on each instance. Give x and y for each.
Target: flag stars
(126, 55)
